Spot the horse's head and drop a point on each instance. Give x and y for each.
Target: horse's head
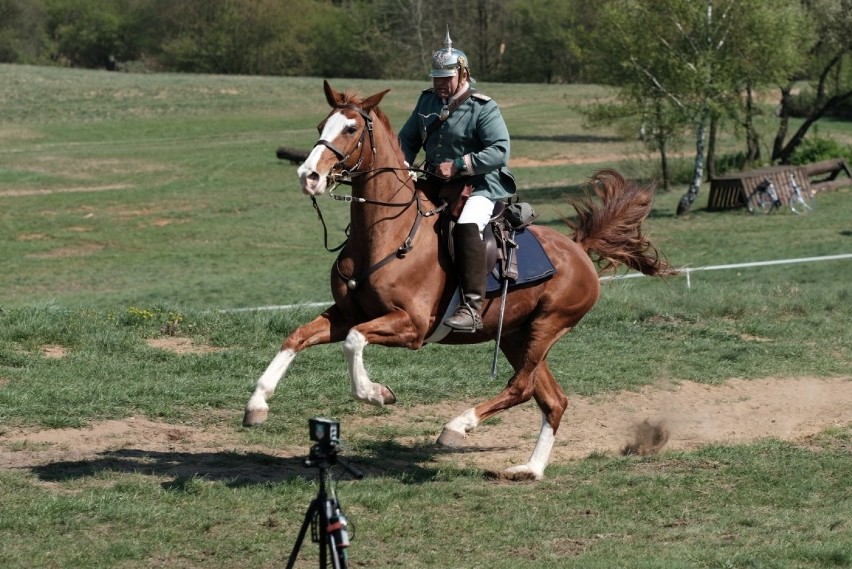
(346, 140)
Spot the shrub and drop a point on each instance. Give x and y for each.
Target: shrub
(817, 148)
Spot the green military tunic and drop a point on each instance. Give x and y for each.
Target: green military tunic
(475, 130)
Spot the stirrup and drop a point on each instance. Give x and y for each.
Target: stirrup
(466, 319)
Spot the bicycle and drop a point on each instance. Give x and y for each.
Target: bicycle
(799, 201)
(765, 198)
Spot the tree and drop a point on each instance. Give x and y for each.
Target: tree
(353, 43)
(543, 44)
(22, 37)
(698, 59)
(84, 34)
(667, 54)
(768, 45)
(828, 68)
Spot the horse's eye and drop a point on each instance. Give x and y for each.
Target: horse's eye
(351, 129)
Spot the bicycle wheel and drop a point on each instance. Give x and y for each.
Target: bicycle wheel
(800, 203)
(759, 202)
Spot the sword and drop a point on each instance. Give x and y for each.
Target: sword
(505, 291)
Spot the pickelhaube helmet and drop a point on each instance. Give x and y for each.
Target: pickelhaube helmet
(448, 62)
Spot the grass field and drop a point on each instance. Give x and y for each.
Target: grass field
(143, 208)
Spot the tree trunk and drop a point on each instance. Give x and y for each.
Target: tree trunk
(752, 137)
(660, 134)
(783, 122)
(664, 164)
(711, 146)
(698, 172)
(786, 152)
(781, 152)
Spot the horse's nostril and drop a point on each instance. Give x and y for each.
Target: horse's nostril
(313, 176)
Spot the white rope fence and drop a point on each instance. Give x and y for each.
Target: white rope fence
(687, 271)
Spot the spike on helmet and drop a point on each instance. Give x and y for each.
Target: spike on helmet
(448, 62)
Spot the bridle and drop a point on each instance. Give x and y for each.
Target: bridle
(340, 174)
(338, 171)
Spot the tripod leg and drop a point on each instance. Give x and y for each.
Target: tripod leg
(309, 516)
(330, 538)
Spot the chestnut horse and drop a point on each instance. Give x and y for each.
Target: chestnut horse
(393, 279)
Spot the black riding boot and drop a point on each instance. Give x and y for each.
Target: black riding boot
(470, 265)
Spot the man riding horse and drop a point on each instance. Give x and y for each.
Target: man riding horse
(465, 140)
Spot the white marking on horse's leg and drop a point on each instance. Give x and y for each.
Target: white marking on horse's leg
(454, 431)
(465, 422)
(256, 408)
(362, 388)
(535, 466)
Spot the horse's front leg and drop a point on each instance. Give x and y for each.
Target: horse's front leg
(330, 326)
(392, 330)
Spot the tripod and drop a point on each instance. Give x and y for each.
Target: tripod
(329, 527)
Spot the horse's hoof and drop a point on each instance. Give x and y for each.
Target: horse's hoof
(256, 417)
(520, 474)
(451, 439)
(388, 396)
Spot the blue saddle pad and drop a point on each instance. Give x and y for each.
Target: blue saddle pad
(533, 263)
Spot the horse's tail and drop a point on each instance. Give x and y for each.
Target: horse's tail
(612, 229)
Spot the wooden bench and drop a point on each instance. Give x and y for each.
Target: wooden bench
(732, 191)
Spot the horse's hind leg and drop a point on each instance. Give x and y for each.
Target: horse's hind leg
(519, 389)
(532, 378)
(552, 401)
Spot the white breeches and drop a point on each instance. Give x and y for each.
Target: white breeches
(478, 210)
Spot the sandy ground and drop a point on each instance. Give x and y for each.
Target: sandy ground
(691, 415)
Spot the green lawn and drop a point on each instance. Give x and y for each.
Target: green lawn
(140, 207)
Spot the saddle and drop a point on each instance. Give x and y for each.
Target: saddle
(528, 262)
(507, 223)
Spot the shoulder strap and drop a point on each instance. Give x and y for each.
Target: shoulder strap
(433, 126)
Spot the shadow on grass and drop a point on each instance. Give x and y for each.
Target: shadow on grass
(236, 469)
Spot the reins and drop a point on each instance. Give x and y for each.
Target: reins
(345, 176)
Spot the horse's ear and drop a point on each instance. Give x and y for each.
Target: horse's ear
(373, 101)
(334, 98)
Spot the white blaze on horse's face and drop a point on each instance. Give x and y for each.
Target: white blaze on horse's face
(314, 171)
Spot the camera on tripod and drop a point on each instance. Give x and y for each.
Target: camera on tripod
(325, 432)
(325, 518)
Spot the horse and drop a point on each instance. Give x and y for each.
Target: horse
(394, 277)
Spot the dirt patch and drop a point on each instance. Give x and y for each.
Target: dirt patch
(32, 237)
(70, 251)
(54, 352)
(692, 415)
(73, 190)
(180, 345)
(564, 160)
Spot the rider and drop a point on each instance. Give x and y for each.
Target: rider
(464, 137)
